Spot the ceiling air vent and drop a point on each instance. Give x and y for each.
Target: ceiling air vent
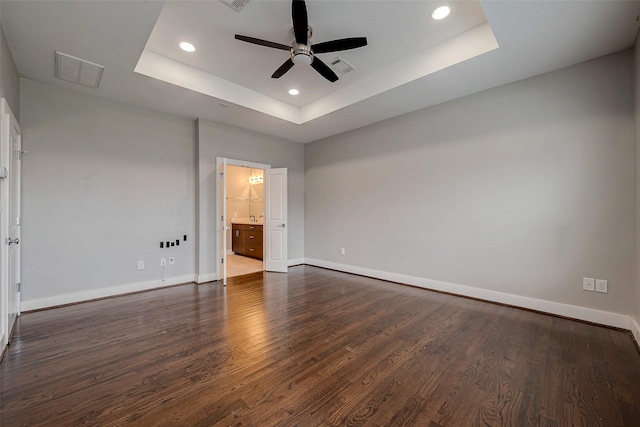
(342, 66)
(236, 5)
(78, 71)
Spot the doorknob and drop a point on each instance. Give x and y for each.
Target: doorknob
(11, 241)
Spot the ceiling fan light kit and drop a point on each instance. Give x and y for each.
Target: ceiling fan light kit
(302, 51)
(301, 54)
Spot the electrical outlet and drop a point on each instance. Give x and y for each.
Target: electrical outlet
(588, 284)
(140, 265)
(163, 262)
(343, 251)
(172, 260)
(601, 286)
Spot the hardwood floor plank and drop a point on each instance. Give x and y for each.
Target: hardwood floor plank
(313, 347)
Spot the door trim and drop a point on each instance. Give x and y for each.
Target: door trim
(221, 253)
(7, 122)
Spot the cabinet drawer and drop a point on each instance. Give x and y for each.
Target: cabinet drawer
(253, 250)
(250, 227)
(253, 236)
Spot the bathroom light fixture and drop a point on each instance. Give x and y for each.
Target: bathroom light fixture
(293, 92)
(187, 47)
(258, 179)
(441, 12)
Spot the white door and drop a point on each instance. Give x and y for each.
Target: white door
(10, 161)
(276, 220)
(3, 233)
(221, 186)
(14, 214)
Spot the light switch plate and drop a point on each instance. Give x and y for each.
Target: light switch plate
(588, 284)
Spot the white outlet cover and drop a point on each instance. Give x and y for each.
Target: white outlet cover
(602, 286)
(163, 262)
(172, 261)
(140, 265)
(588, 284)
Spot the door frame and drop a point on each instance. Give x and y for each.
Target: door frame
(220, 219)
(7, 121)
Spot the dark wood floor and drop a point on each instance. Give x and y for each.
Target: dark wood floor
(313, 347)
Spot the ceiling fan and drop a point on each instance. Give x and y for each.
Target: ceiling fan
(302, 51)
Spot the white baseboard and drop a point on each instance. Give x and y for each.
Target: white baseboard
(560, 309)
(635, 328)
(40, 303)
(206, 278)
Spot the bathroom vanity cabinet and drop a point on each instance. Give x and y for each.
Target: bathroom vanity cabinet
(247, 240)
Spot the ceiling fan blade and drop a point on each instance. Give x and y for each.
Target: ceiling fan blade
(262, 42)
(300, 21)
(283, 69)
(324, 70)
(341, 44)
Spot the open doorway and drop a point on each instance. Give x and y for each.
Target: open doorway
(274, 227)
(245, 197)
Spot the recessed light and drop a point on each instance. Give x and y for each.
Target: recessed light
(187, 47)
(441, 12)
(293, 91)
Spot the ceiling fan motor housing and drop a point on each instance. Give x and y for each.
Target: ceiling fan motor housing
(301, 54)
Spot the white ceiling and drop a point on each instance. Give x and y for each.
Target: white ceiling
(411, 61)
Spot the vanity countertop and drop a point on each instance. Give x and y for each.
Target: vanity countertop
(245, 221)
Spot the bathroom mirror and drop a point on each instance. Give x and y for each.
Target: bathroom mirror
(245, 194)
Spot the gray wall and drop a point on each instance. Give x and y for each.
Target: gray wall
(9, 81)
(522, 189)
(103, 184)
(219, 140)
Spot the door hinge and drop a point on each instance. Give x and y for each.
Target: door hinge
(221, 260)
(17, 287)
